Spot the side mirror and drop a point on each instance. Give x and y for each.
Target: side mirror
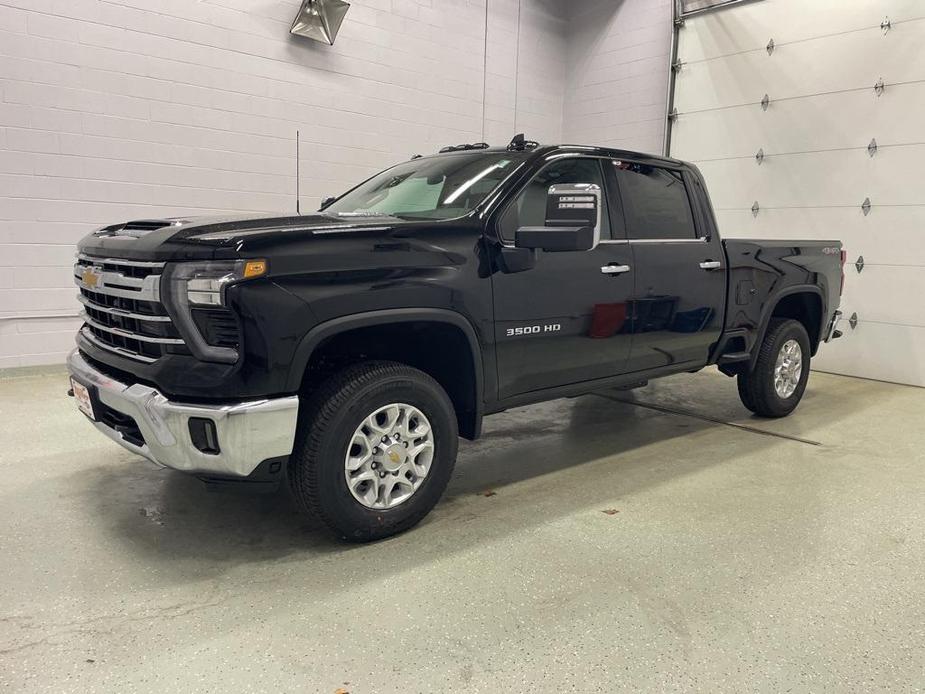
(573, 220)
(327, 201)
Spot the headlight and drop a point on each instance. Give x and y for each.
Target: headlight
(206, 282)
(189, 287)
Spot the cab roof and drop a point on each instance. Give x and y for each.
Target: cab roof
(544, 150)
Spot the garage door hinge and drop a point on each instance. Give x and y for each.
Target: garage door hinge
(853, 321)
(673, 114)
(865, 206)
(859, 264)
(770, 46)
(759, 156)
(872, 147)
(879, 87)
(755, 209)
(886, 25)
(764, 102)
(677, 65)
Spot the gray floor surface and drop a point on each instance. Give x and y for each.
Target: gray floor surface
(601, 544)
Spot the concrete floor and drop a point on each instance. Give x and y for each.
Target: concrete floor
(736, 560)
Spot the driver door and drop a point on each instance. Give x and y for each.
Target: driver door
(564, 320)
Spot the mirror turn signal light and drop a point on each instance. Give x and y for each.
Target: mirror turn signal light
(255, 268)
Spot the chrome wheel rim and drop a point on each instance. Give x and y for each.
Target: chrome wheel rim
(788, 369)
(389, 456)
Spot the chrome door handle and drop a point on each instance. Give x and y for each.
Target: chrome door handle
(710, 265)
(615, 269)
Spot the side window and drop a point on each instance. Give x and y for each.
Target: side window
(655, 202)
(529, 208)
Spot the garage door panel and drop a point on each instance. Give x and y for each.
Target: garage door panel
(887, 236)
(833, 63)
(808, 179)
(746, 27)
(886, 294)
(881, 351)
(788, 126)
(816, 171)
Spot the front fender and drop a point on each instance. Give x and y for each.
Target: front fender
(330, 328)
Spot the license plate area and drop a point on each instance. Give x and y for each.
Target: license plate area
(83, 398)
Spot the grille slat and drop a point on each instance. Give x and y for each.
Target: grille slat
(91, 337)
(122, 309)
(130, 334)
(102, 308)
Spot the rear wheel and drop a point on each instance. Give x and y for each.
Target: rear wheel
(375, 449)
(776, 385)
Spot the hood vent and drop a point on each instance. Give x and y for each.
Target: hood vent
(137, 228)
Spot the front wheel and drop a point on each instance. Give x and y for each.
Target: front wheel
(775, 386)
(375, 448)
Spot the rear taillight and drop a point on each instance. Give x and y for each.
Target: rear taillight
(844, 257)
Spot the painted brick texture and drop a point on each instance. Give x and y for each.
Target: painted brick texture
(617, 84)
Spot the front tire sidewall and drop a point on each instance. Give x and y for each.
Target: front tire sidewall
(352, 519)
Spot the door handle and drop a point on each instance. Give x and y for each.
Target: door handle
(710, 265)
(615, 269)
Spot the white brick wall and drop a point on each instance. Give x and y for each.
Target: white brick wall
(618, 55)
(526, 39)
(120, 109)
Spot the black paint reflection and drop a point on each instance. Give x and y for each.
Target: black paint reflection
(652, 314)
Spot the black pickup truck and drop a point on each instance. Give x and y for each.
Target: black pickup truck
(348, 350)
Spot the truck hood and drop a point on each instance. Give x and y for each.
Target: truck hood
(196, 238)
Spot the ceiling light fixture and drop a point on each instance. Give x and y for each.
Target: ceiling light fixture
(320, 20)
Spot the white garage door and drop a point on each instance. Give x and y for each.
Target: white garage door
(819, 165)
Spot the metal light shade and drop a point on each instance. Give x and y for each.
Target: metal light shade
(320, 19)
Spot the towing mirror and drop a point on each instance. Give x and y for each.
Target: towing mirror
(573, 220)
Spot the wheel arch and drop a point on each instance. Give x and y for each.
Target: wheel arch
(804, 303)
(449, 330)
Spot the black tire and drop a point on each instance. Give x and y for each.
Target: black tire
(756, 388)
(328, 419)
(745, 394)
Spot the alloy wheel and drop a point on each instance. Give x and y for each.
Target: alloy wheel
(389, 456)
(788, 369)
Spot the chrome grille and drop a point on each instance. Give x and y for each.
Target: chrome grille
(122, 308)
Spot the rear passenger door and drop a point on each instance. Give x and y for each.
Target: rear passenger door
(680, 287)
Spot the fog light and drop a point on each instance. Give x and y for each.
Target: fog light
(204, 436)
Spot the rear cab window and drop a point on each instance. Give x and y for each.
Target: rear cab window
(656, 204)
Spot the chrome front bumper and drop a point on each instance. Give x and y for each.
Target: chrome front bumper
(248, 432)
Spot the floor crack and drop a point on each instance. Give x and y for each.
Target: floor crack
(706, 418)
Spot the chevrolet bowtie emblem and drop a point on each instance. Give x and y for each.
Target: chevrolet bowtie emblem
(90, 278)
(394, 457)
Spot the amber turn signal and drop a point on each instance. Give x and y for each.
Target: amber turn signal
(255, 268)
